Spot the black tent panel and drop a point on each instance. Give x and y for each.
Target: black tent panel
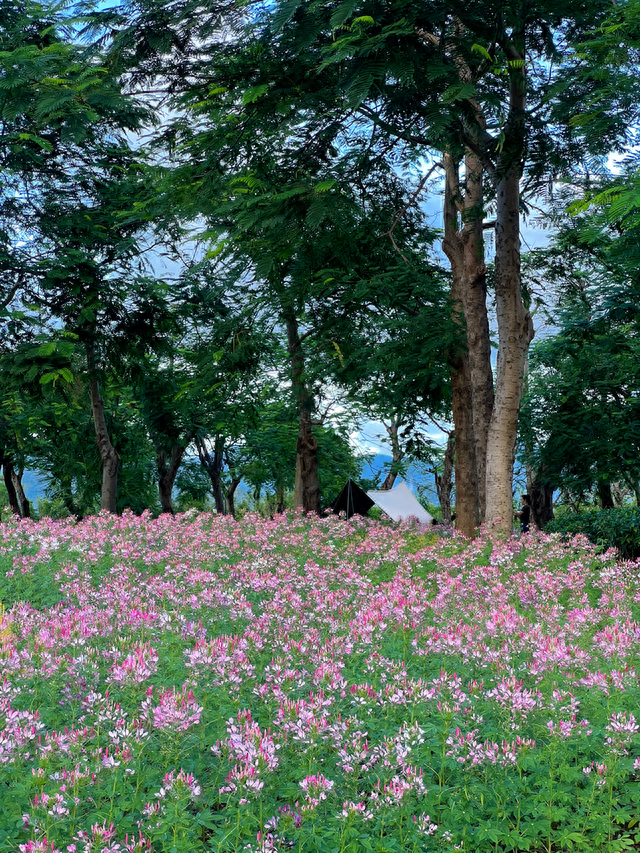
(352, 500)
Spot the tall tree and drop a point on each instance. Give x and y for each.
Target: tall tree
(70, 167)
(581, 418)
(494, 85)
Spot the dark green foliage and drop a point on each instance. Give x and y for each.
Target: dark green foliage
(580, 420)
(612, 528)
(193, 486)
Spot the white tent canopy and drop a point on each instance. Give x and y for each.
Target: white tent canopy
(400, 503)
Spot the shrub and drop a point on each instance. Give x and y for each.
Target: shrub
(612, 528)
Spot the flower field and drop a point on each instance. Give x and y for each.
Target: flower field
(195, 683)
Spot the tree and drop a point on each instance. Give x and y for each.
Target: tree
(581, 417)
(498, 87)
(486, 104)
(70, 168)
(306, 219)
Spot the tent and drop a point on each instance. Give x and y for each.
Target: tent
(400, 503)
(352, 499)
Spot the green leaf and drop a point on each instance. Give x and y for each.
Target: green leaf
(324, 186)
(478, 48)
(459, 92)
(250, 96)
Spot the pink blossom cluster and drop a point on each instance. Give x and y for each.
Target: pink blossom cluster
(175, 785)
(171, 710)
(137, 667)
(253, 751)
(316, 788)
(465, 748)
(292, 653)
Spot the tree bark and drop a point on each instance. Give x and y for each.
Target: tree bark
(108, 454)
(515, 328)
(474, 300)
(23, 502)
(7, 472)
(397, 453)
(619, 492)
(465, 463)
(307, 485)
(472, 382)
(213, 465)
(604, 494)
(231, 491)
(541, 494)
(444, 481)
(167, 473)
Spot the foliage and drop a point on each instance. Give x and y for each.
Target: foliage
(290, 145)
(195, 683)
(194, 487)
(580, 421)
(611, 528)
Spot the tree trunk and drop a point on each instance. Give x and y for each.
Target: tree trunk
(474, 301)
(108, 453)
(604, 494)
(515, 328)
(213, 465)
(542, 505)
(468, 274)
(541, 494)
(231, 491)
(465, 463)
(7, 472)
(619, 491)
(280, 498)
(307, 485)
(167, 474)
(397, 453)
(515, 332)
(444, 481)
(23, 502)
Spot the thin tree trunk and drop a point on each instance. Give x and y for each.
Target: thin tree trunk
(213, 465)
(23, 502)
(307, 485)
(604, 494)
(541, 495)
(7, 472)
(444, 481)
(231, 491)
(280, 498)
(167, 474)
(515, 328)
(619, 492)
(467, 490)
(397, 453)
(474, 300)
(465, 463)
(464, 246)
(108, 453)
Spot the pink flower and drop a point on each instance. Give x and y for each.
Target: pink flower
(175, 711)
(136, 668)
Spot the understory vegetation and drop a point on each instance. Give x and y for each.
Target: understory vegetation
(195, 683)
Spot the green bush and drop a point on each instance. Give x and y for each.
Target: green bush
(618, 528)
